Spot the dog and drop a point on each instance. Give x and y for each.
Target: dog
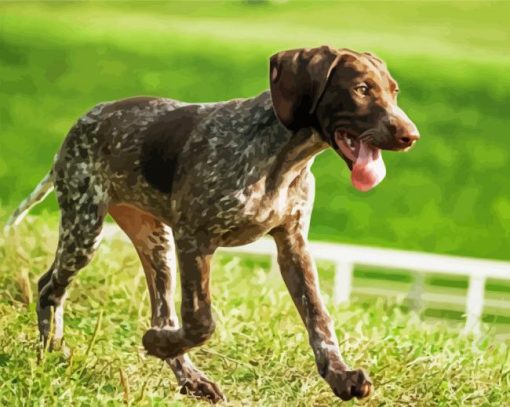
(183, 179)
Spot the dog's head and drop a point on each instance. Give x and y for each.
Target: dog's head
(350, 98)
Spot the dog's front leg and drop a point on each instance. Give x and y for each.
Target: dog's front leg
(197, 319)
(300, 276)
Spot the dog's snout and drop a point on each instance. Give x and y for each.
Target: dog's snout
(403, 129)
(407, 139)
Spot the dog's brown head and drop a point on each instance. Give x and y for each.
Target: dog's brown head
(350, 98)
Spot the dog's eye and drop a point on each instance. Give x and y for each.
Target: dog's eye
(363, 90)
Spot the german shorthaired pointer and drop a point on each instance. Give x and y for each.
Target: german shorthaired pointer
(184, 179)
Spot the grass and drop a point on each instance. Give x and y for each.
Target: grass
(259, 353)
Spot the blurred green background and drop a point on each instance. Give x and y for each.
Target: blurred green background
(449, 195)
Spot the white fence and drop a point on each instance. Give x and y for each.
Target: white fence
(345, 257)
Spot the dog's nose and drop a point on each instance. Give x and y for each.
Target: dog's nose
(404, 130)
(407, 139)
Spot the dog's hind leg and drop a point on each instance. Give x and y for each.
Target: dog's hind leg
(155, 246)
(83, 204)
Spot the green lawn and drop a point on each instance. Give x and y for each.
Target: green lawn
(449, 195)
(259, 353)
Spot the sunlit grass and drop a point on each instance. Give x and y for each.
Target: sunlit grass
(259, 353)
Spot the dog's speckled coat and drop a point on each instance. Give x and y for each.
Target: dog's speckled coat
(184, 179)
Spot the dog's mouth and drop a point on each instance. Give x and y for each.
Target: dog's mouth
(364, 160)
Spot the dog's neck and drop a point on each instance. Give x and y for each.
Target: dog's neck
(289, 152)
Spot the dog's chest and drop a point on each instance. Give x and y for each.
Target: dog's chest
(246, 214)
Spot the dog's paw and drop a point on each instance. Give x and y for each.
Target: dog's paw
(164, 343)
(203, 388)
(350, 383)
(51, 329)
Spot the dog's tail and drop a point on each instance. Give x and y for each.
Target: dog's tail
(40, 192)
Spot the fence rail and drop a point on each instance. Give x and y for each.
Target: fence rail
(345, 257)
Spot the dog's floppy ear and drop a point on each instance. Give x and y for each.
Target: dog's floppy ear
(298, 79)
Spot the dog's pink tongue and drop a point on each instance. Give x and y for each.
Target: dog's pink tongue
(368, 169)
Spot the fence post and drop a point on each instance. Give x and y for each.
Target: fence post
(343, 282)
(415, 296)
(474, 303)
